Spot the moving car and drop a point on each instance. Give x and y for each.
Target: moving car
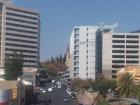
(65, 99)
(43, 91)
(50, 89)
(59, 86)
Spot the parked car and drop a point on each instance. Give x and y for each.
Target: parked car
(73, 95)
(69, 91)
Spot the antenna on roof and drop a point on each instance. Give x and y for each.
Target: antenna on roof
(116, 24)
(11, 2)
(101, 25)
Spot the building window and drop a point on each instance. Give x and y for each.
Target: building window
(114, 71)
(132, 56)
(118, 41)
(76, 41)
(132, 46)
(118, 51)
(118, 61)
(118, 36)
(118, 46)
(22, 26)
(132, 41)
(117, 66)
(20, 35)
(19, 50)
(132, 61)
(76, 47)
(76, 52)
(132, 51)
(76, 58)
(118, 56)
(18, 45)
(19, 20)
(114, 76)
(19, 15)
(23, 11)
(76, 30)
(19, 30)
(76, 36)
(20, 40)
(132, 36)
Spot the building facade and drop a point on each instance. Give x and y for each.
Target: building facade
(118, 51)
(83, 52)
(20, 32)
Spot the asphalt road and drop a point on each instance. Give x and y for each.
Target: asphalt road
(56, 97)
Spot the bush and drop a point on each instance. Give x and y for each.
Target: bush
(102, 102)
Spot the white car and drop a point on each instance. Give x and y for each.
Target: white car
(65, 99)
(43, 91)
(69, 91)
(59, 86)
(50, 89)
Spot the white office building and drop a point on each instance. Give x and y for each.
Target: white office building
(83, 52)
(20, 32)
(118, 50)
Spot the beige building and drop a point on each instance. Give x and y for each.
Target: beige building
(134, 70)
(119, 50)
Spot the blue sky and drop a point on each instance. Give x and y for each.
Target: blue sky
(58, 17)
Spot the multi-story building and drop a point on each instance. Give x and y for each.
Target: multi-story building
(83, 52)
(20, 32)
(119, 50)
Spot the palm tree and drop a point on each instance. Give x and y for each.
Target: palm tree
(126, 85)
(138, 92)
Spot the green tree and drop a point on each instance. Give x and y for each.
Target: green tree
(64, 58)
(52, 60)
(126, 85)
(13, 66)
(60, 58)
(80, 84)
(102, 85)
(52, 72)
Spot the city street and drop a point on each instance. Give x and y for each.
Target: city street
(56, 97)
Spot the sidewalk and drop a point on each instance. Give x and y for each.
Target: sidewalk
(83, 99)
